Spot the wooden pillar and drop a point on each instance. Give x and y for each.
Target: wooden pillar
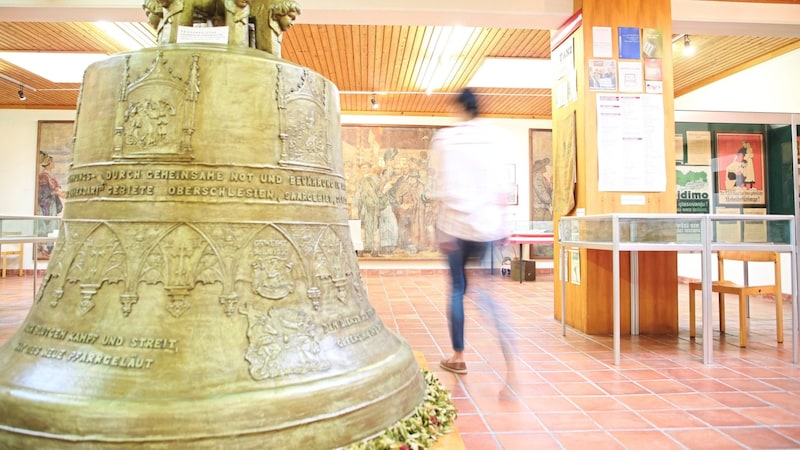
(592, 39)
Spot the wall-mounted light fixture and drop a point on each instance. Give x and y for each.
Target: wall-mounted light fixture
(688, 48)
(374, 102)
(22, 86)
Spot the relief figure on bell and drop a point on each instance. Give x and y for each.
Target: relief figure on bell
(154, 12)
(237, 17)
(273, 17)
(272, 269)
(272, 278)
(147, 122)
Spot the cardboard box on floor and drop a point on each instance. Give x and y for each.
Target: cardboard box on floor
(528, 267)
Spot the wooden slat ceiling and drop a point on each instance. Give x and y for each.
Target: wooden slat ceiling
(389, 61)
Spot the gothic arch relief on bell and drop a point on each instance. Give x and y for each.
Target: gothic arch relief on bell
(303, 118)
(156, 108)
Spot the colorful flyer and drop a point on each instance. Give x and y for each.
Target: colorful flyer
(602, 75)
(629, 43)
(652, 43)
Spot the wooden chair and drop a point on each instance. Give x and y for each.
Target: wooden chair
(723, 286)
(11, 250)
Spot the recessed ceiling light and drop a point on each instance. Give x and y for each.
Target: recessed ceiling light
(56, 67)
(526, 73)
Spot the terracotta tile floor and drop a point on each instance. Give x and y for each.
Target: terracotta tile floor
(568, 393)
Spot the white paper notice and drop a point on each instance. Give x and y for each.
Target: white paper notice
(211, 35)
(601, 42)
(630, 76)
(630, 143)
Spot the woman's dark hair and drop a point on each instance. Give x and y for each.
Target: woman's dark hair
(468, 101)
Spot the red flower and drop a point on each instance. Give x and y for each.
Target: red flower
(434, 421)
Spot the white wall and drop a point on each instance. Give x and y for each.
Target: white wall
(768, 87)
(19, 131)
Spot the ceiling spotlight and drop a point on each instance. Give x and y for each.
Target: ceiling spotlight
(21, 94)
(374, 102)
(688, 48)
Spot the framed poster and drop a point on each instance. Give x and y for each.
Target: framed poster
(698, 148)
(54, 146)
(678, 148)
(740, 169)
(513, 194)
(694, 185)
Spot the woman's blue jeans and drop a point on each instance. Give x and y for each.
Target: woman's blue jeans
(457, 260)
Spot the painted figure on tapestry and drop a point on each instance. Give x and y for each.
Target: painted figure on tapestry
(49, 198)
(369, 204)
(388, 226)
(542, 191)
(409, 211)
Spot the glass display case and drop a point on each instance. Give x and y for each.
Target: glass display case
(532, 226)
(681, 232)
(18, 231)
(700, 233)
(28, 229)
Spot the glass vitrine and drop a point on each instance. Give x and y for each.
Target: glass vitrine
(703, 233)
(29, 229)
(24, 233)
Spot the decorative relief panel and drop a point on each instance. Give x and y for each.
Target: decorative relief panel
(276, 275)
(282, 342)
(57, 264)
(230, 242)
(305, 237)
(156, 110)
(303, 119)
(179, 260)
(332, 265)
(272, 269)
(99, 260)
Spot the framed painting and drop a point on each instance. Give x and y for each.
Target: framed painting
(541, 187)
(54, 146)
(386, 173)
(513, 194)
(740, 169)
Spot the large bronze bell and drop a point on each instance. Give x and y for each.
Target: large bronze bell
(204, 292)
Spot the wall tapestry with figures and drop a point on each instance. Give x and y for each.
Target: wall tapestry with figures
(386, 170)
(52, 164)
